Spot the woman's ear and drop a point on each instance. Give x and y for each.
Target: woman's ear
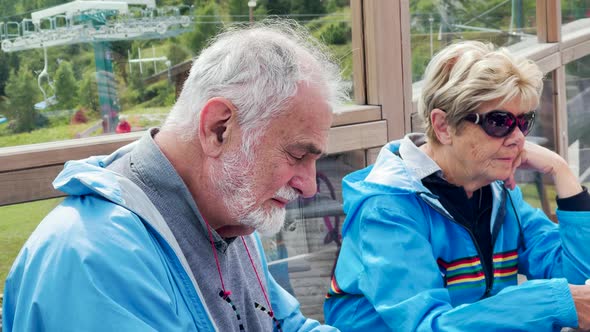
(441, 128)
(215, 125)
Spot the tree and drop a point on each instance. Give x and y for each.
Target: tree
(4, 71)
(336, 33)
(8, 62)
(207, 25)
(278, 7)
(238, 10)
(176, 53)
(314, 7)
(21, 91)
(66, 90)
(89, 92)
(6, 7)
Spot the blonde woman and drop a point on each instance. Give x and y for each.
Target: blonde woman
(437, 230)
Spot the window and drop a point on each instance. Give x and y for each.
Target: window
(572, 10)
(57, 82)
(136, 80)
(301, 257)
(537, 189)
(578, 116)
(435, 24)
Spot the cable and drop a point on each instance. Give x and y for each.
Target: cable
(520, 230)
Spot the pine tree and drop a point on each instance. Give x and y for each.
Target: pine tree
(89, 93)
(238, 10)
(22, 92)
(4, 71)
(177, 53)
(207, 25)
(308, 7)
(66, 89)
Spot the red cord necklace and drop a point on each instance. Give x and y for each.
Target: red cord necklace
(225, 293)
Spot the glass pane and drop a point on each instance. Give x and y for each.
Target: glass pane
(537, 189)
(572, 10)
(301, 257)
(436, 23)
(578, 117)
(63, 78)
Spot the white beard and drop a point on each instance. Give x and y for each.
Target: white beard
(270, 222)
(236, 181)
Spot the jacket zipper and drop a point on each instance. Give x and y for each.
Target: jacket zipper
(489, 279)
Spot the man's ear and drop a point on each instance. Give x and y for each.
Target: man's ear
(441, 128)
(215, 122)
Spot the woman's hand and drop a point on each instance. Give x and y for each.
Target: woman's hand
(581, 296)
(545, 161)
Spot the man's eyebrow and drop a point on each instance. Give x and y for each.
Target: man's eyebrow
(308, 148)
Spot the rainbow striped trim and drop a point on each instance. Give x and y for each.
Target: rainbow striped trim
(468, 272)
(506, 266)
(334, 290)
(463, 273)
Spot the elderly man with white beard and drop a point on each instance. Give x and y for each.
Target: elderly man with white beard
(160, 235)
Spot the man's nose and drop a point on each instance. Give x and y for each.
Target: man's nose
(305, 180)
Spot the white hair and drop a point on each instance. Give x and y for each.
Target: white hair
(258, 69)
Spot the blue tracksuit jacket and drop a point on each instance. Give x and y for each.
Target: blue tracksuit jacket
(105, 260)
(406, 265)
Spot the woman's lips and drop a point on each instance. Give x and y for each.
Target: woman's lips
(506, 160)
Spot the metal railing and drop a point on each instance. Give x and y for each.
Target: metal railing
(65, 27)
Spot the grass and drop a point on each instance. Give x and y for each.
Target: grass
(16, 225)
(140, 109)
(146, 117)
(42, 135)
(531, 195)
(138, 116)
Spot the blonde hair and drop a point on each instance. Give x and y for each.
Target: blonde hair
(465, 75)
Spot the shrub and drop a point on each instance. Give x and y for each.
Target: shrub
(79, 117)
(336, 33)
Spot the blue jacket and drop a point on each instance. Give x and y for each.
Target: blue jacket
(105, 260)
(406, 265)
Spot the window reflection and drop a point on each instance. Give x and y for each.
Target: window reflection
(572, 10)
(435, 24)
(301, 257)
(578, 117)
(538, 190)
(57, 82)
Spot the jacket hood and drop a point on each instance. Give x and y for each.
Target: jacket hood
(390, 175)
(90, 176)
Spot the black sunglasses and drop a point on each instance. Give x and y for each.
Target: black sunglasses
(502, 123)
